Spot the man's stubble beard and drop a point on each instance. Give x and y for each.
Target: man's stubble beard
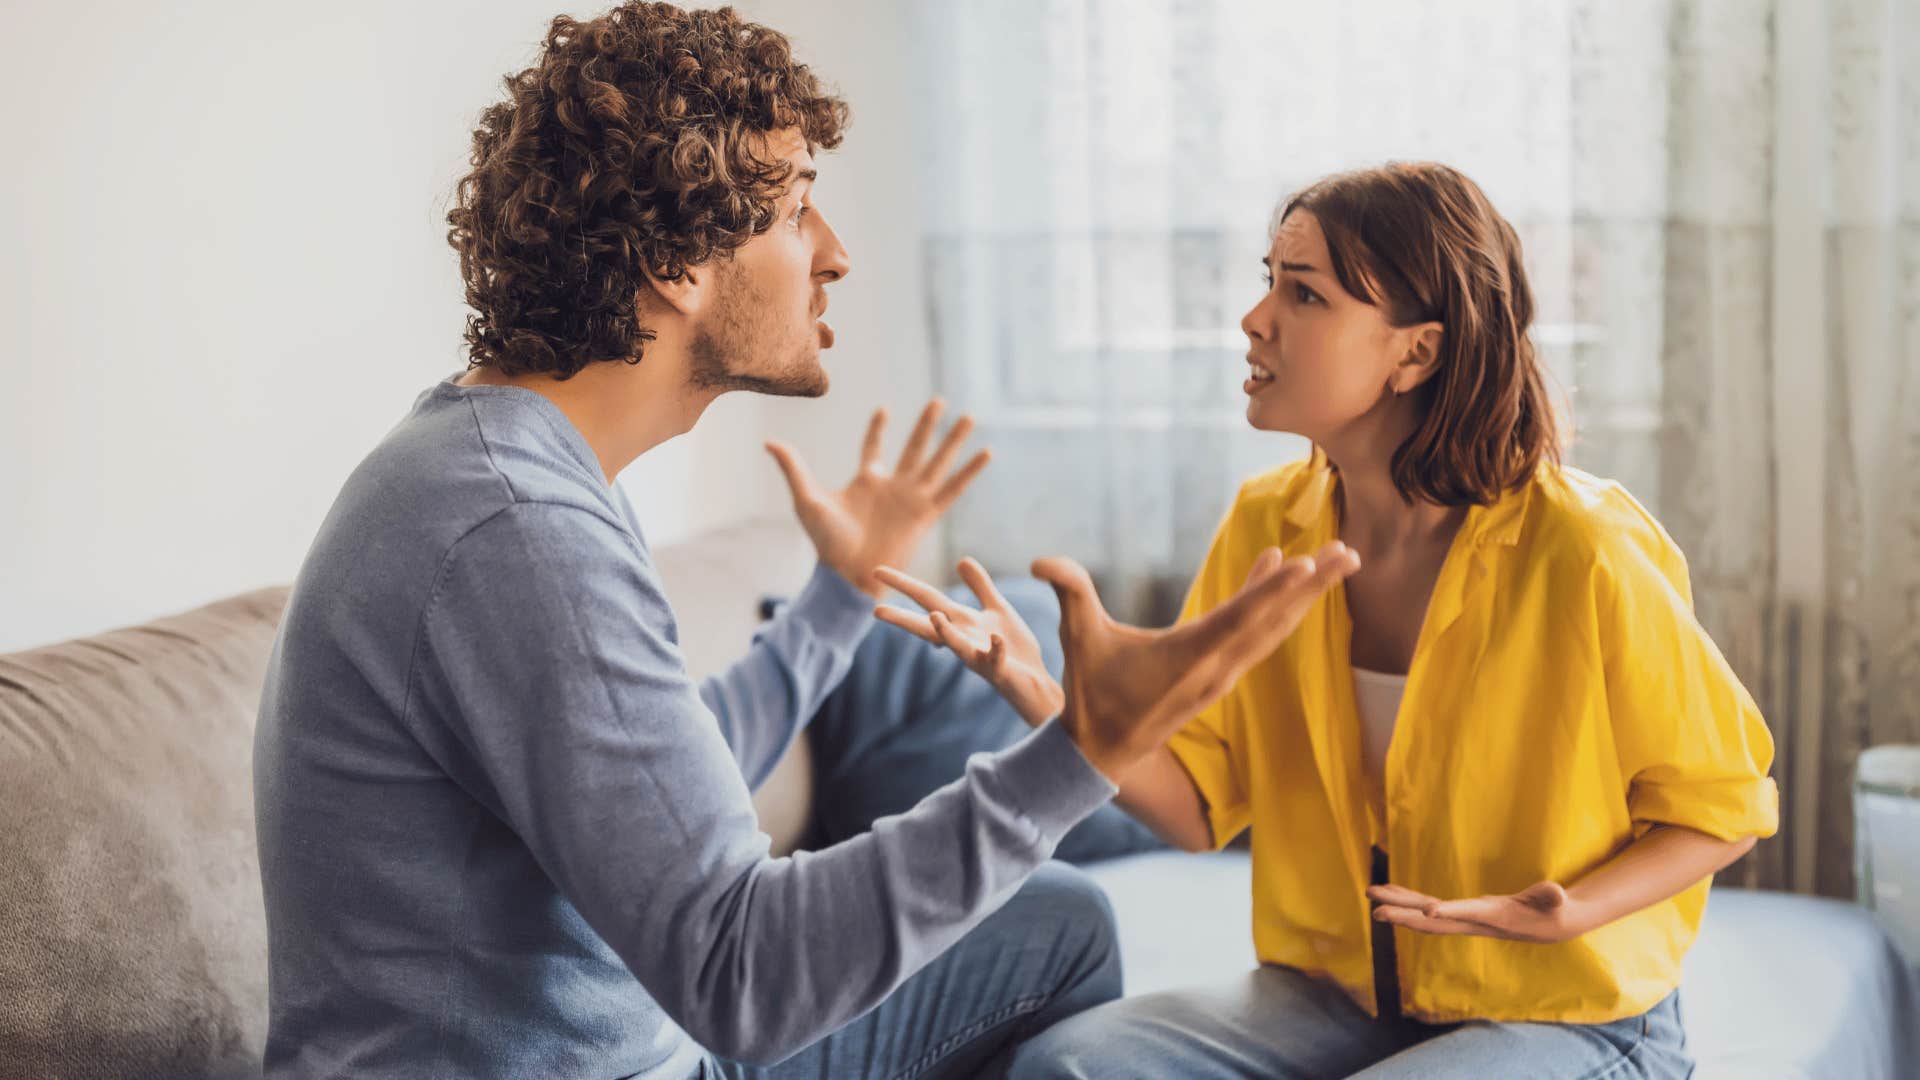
(742, 327)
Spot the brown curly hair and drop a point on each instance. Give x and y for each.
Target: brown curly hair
(632, 146)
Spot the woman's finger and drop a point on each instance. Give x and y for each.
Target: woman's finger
(1401, 896)
(996, 651)
(918, 591)
(911, 621)
(964, 647)
(977, 579)
(1414, 919)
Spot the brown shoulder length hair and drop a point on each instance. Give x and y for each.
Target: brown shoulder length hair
(1421, 242)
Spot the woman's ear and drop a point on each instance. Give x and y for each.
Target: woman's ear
(1422, 359)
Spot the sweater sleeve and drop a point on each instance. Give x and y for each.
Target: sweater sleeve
(584, 732)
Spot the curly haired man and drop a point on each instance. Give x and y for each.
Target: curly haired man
(503, 832)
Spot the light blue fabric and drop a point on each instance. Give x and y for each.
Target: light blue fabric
(908, 716)
(1045, 956)
(1783, 987)
(1777, 987)
(502, 831)
(1275, 1023)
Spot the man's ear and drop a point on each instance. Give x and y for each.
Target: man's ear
(1422, 359)
(683, 294)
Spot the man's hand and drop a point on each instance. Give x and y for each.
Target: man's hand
(880, 517)
(1541, 913)
(994, 641)
(1128, 689)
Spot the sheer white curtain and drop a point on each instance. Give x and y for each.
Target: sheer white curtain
(1720, 204)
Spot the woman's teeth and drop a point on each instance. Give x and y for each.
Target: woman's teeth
(1259, 374)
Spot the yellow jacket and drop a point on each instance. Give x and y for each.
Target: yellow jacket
(1562, 698)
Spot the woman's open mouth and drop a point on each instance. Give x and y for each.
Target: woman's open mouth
(1258, 378)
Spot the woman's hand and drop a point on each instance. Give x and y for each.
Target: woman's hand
(1541, 913)
(993, 641)
(1663, 862)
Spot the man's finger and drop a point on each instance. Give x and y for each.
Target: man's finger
(916, 590)
(911, 621)
(876, 431)
(1336, 562)
(1073, 585)
(957, 484)
(977, 579)
(1223, 631)
(799, 477)
(942, 460)
(1272, 607)
(1265, 563)
(916, 447)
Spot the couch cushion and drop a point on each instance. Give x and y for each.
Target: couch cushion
(1778, 986)
(134, 939)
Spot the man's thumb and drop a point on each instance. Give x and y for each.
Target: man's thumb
(799, 478)
(1072, 584)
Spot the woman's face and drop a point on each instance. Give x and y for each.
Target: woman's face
(1322, 360)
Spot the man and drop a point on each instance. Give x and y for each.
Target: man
(502, 831)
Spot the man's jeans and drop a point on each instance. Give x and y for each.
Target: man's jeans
(902, 724)
(1045, 956)
(909, 714)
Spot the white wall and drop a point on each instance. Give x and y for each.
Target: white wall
(223, 276)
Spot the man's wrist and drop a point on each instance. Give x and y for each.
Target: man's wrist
(861, 579)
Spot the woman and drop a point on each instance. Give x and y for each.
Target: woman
(1490, 777)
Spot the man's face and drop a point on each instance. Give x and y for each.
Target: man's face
(762, 329)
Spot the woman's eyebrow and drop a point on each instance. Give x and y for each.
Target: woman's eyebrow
(1290, 267)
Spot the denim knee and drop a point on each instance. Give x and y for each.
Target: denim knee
(1076, 908)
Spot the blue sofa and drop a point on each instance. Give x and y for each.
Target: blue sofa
(132, 936)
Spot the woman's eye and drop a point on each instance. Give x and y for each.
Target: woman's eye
(1304, 294)
(1267, 280)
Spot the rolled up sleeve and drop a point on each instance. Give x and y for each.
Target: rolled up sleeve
(1691, 740)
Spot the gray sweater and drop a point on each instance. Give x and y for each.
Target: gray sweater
(504, 833)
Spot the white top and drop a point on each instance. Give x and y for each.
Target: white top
(1378, 696)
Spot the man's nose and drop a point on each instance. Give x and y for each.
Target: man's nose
(833, 262)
